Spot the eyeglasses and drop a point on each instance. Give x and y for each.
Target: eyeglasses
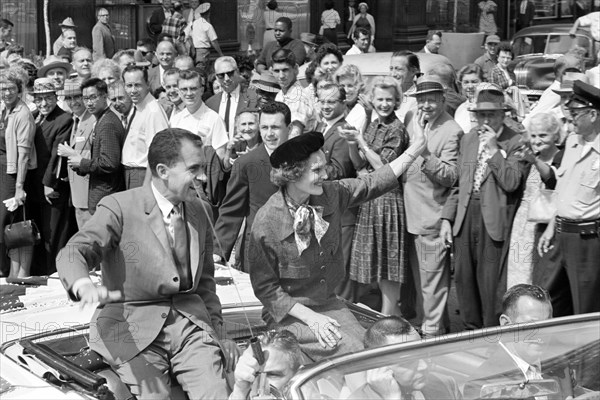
(47, 99)
(76, 97)
(229, 74)
(576, 113)
(92, 98)
(9, 89)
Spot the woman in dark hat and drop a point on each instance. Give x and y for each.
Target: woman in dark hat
(295, 254)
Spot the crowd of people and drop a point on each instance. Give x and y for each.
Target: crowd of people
(124, 158)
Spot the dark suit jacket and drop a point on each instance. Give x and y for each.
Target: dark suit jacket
(500, 190)
(104, 166)
(248, 189)
(156, 20)
(248, 100)
(500, 367)
(55, 129)
(128, 235)
(154, 79)
(524, 20)
(339, 166)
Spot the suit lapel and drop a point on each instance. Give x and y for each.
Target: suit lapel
(470, 158)
(155, 220)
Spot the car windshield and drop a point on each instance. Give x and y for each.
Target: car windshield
(561, 44)
(480, 364)
(550, 44)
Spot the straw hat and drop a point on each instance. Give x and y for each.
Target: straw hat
(43, 85)
(52, 62)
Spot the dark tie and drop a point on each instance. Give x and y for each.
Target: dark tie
(180, 248)
(74, 131)
(124, 120)
(227, 107)
(131, 119)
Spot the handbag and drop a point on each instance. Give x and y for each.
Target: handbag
(21, 234)
(542, 207)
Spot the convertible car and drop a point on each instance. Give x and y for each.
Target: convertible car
(44, 353)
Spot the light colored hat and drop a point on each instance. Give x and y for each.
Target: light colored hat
(68, 23)
(568, 80)
(267, 83)
(492, 39)
(71, 88)
(43, 85)
(308, 38)
(489, 97)
(428, 84)
(363, 4)
(204, 7)
(54, 62)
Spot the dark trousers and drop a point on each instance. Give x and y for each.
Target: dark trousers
(7, 191)
(570, 271)
(480, 277)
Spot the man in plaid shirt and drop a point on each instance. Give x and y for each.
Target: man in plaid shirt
(175, 24)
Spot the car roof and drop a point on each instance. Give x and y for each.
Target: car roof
(371, 64)
(547, 29)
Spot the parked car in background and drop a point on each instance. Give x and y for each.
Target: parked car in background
(536, 48)
(375, 64)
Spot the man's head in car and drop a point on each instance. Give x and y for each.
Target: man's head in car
(526, 304)
(396, 330)
(282, 356)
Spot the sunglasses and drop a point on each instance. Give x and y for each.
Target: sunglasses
(229, 74)
(145, 53)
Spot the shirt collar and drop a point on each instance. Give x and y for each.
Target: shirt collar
(595, 144)
(142, 104)
(234, 95)
(333, 121)
(522, 364)
(164, 205)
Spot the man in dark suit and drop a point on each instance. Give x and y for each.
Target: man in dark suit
(157, 18)
(104, 165)
(332, 99)
(520, 359)
(48, 199)
(481, 207)
(165, 52)
(160, 316)
(407, 379)
(525, 14)
(234, 97)
(250, 186)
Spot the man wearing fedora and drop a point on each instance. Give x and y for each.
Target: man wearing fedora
(80, 142)
(266, 88)
(66, 24)
(570, 246)
(57, 71)
(50, 187)
(283, 40)
(426, 189)
(479, 211)
(362, 42)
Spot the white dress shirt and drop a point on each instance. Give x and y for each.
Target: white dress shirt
(205, 123)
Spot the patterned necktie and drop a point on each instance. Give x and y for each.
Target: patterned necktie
(131, 119)
(482, 158)
(124, 120)
(74, 130)
(180, 248)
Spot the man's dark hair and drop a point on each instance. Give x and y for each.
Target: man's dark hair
(4, 23)
(329, 84)
(360, 31)
(171, 71)
(512, 296)
(135, 68)
(284, 56)
(378, 333)
(191, 74)
(506, 47)
(166, 147)
(413, 60)
(146, 42)
(431, 34)
(272, 5)
(286, 21)
(98, 83)
(277, 107)
(329, 5)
